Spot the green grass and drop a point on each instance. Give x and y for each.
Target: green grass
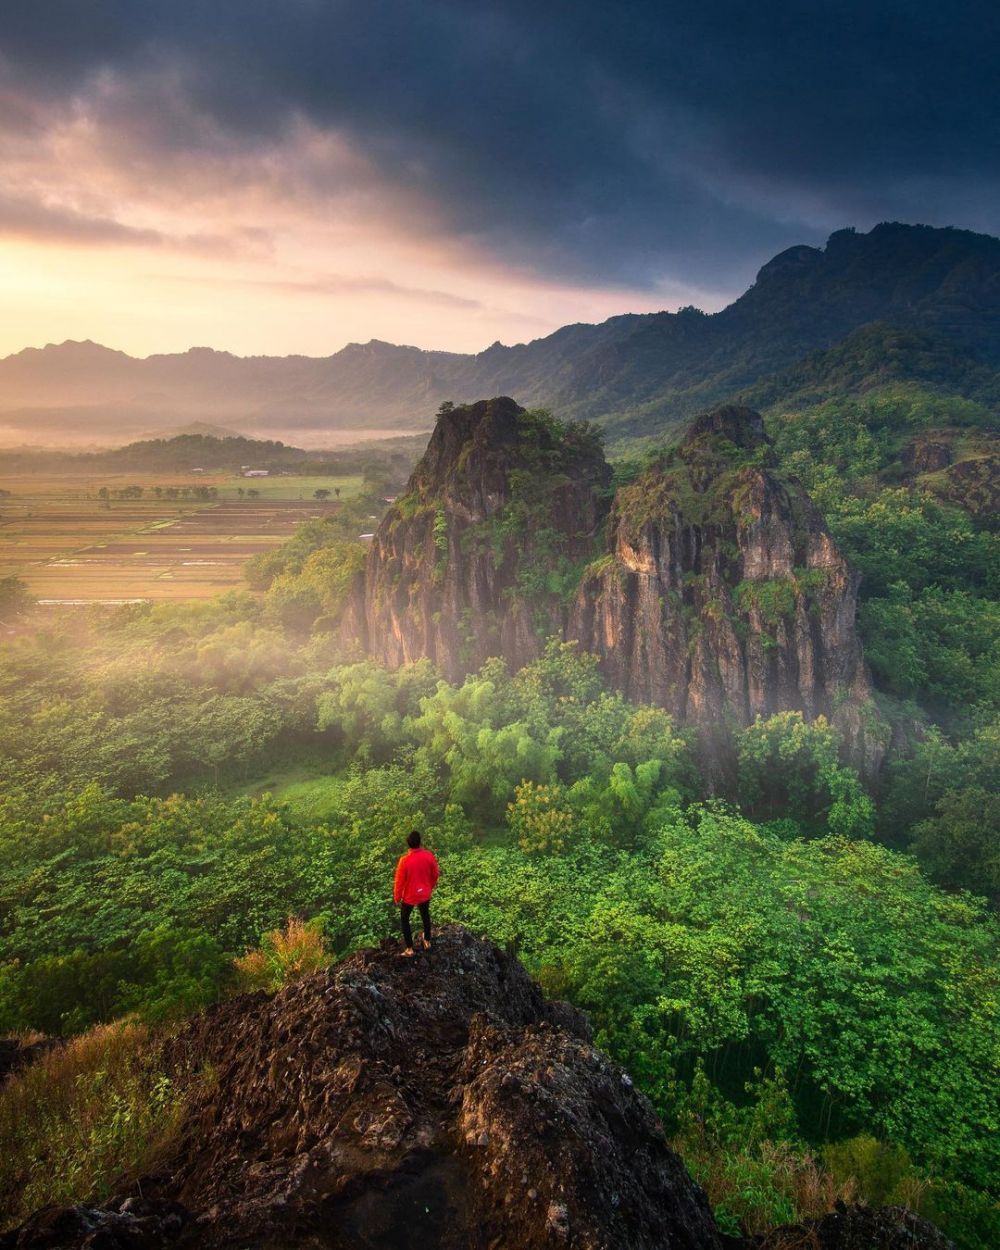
(313, 800)
(293, 488)
(310, 787)
(82, 1120)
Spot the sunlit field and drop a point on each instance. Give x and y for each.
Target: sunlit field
(69, 544)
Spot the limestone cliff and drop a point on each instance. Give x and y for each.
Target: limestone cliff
(481, 554)
(723, 597)
(714, 590)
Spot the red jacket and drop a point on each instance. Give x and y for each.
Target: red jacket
(416, 876)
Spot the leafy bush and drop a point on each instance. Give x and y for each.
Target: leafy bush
(284, 955)
(789, 770)
(539, 819)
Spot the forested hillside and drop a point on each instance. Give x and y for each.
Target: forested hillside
(802, 973)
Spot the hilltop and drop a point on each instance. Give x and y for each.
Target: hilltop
(442, 1103)
(640, 375)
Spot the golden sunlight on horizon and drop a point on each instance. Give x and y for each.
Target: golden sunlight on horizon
(298, 245)
(143, 301)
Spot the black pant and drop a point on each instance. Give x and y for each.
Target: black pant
(405, 911)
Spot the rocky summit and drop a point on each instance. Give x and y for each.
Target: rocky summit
(710, 586)
(723, 597)
(478, 557)
(439, 1103)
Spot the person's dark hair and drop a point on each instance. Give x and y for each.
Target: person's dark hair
(413, 840)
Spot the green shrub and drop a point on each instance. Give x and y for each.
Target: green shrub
(83, 1119)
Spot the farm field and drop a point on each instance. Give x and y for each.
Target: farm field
(71, 546)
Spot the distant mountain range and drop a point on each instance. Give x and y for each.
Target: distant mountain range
(641, 376)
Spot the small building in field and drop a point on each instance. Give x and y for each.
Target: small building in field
(256, 472)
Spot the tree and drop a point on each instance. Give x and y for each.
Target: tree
(959, 845)
(322, 493)
(789, 772)
(14, 597)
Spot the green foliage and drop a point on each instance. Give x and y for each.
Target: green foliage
(907, 536)
(337, 533)
(940, 800)
(441, 531)
(748, 1157)
(878, 1168)
(540, 819)
(942, 646)
(970, 1218)
(82, 1120)
(789, 771)
(958, 846)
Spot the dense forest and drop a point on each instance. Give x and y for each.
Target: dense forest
(802, 973)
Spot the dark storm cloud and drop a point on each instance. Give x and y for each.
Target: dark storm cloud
(25, 218)
(609, 142)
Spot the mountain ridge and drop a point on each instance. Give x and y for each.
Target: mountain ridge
(639, 374)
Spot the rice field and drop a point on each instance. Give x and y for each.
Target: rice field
(71, 546)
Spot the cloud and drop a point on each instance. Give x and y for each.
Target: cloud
(638, 144)
(347, 284)
(24, 218)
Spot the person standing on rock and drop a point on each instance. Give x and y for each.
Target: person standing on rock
(416, 876)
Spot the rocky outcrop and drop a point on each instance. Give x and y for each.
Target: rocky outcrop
(124, 1224)
(471, 561)
(974, 484)
(440, 1103)
(717, 592)
(855, 1228)
(723, 597)
(927, 455)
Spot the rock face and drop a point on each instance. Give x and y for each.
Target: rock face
(717, 593)
(724, 598)
(470, 562)
(851, 1228)
(439, 1102)
(435, 1103)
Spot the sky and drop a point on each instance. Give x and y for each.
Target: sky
(281, 176)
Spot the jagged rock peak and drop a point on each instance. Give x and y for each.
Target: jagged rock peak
(469, 442)
(499, 493)
(724, 598)
(740, 426)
